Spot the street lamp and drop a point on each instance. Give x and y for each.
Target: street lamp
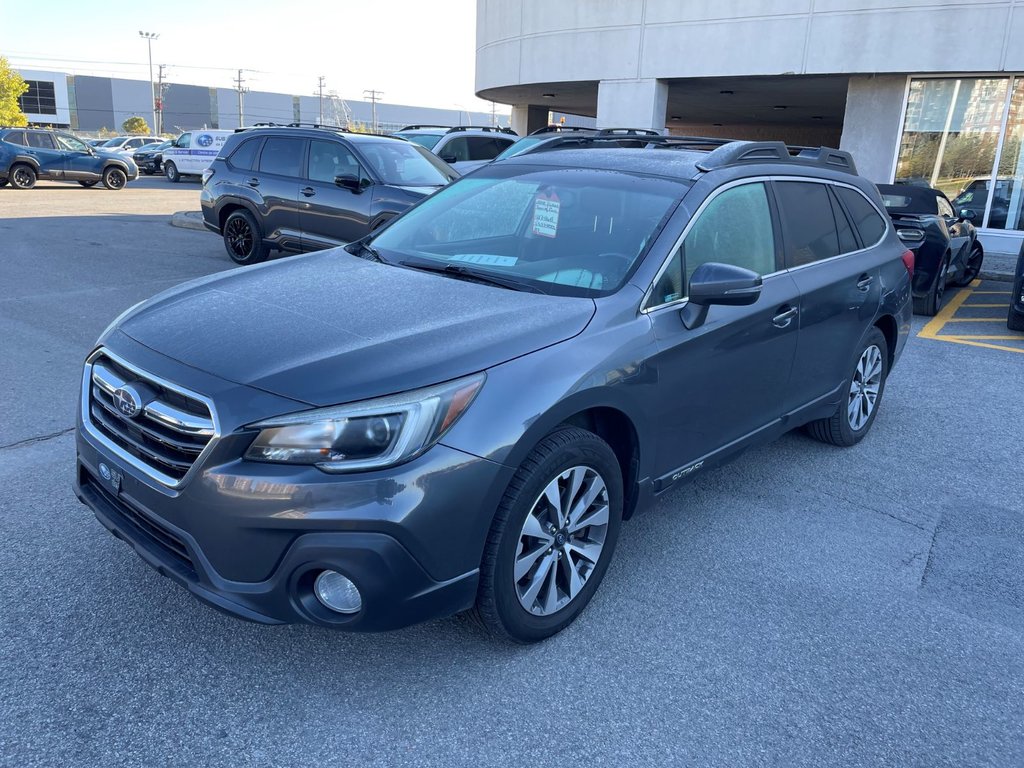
(150, 37)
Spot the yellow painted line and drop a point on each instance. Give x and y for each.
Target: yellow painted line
(945, 314)
(976, 320)
(953, 340)
(993, 293)
(982, 338)
(990, 306)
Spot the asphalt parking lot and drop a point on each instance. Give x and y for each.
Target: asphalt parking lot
(803, 606)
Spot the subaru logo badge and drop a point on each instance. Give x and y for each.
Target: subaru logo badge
(128, 401)
(204, 140)
(104, 471)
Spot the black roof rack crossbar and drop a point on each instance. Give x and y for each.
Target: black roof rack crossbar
(736, 152)
(560, 129)
(417, 127)
(489, 128)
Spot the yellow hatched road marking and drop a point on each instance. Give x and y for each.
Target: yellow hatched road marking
(993, 293)
(945, 315)
(990, 306)
(972, 337)
(976, 319)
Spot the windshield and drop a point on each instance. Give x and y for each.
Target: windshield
(114, 143)
(576, 232)
(428, 140)
(521, 146)
(405, 165)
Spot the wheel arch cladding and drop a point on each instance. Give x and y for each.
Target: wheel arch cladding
(889, 328)
(617, 429)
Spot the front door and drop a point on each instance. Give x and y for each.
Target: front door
(332, 215)
(725, 380)
(80, 163)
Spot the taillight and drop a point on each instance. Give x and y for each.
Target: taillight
(908, 261)
(207, 175)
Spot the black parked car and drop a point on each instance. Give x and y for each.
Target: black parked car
(1015, 319)
(150, 158)
(458, 411)
(945, 244)
(303, 189)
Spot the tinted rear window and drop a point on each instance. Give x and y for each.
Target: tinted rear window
(282, 156)
(16, 137)
(244, 156)
(810, 226)
(865, 218)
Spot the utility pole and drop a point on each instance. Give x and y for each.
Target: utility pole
(160, 98)
(373, 97)
(320, 88)
(239, 81)
(494, 114)
(149, 38)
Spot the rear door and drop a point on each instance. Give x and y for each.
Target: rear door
(837, 277)
(41, 147)
(330, 215)
(725, 380)
(277, 181)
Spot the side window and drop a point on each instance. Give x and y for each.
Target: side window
(244, 156)
(868, 222)
(328, 159)
(40, 140)
(457, 148)
(810, 226)
(945, 208)
(847, 240)
(282, 157)
(184, 141)
(70, 143)
(735, 228)
(483, 147)
(16, 137)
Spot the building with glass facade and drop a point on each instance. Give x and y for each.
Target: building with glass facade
(920, 89)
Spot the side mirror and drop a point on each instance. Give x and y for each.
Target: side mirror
(450, 159)
(967, 215)
(715, 283)
(348, 181)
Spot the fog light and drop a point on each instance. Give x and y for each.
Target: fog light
(337, 592)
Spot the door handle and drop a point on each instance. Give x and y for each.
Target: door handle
(784, 316)
(253, 182)
(864, 283)
(308, 192)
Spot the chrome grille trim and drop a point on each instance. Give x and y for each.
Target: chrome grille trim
(169, 438)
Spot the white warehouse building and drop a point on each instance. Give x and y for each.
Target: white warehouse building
(919, 90)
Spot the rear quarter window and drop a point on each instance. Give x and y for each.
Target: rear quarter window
(866, 219)
(244, 156)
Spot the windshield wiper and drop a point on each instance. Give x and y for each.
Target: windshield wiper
(465, 273)
(365, 251)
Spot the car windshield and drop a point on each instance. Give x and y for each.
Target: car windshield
(113, 142)
(428, 140)
(405, 165)
(521, 146)
(567, 231)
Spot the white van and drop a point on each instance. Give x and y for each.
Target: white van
(192, 152)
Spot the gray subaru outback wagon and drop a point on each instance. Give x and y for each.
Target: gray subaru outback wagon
(457, 412)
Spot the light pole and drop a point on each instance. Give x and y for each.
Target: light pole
(150, 37)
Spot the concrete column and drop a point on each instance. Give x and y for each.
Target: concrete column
(632, 104)
(871, 126)
(527, 118)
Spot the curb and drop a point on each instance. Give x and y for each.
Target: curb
(188, 220)
(1002, 277)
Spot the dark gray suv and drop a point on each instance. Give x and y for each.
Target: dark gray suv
(459, 411)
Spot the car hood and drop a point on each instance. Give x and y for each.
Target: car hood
(330, 328)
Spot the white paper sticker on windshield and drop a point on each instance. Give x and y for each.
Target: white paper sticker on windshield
(545, 215)
(485, 258)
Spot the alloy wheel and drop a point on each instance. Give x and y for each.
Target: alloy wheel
(239, 236)
(22, 177)
(561, 541)
(864, 389)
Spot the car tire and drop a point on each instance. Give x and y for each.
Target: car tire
(3, 183)
(114, 178)
(930, 304)
(1015, 320)
(862, 390)
(171, 172)
(243, 239)
(88, 184)
(973, 266)
(22, 176)
(567, 459)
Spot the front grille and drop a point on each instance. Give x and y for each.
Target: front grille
(134, 520)
(169, 429)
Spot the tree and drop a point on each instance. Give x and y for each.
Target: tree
(135, 125)
(12, 85)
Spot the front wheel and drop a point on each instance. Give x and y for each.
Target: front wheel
(171, 172)
(863, 394)
(114, 178)
(243, 240)
(87, 184)
(930, 304)
(552, 537)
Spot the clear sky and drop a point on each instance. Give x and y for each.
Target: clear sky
(416, 52)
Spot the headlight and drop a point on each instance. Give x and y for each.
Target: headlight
(367, 435)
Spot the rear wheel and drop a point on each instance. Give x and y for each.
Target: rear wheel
(243, 239)
(114, 178)
(171, 172)
(863, 394)
(87, 184)
(552, 537)
(973, 266)
(931, 303)
(22, 176)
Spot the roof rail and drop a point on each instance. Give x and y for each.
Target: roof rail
(736, 152)
(488, 128)
(417, 127)
(560, 129)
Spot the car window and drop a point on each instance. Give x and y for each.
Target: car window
(16, 137)
(455, 151)
(734, 228)
(40, 140)
(329, 159)
(184, 141)
(810, 225)
(866, 219)
(484, 147)
(428, 140)
(70, 143)
(282, 156)
(945, 208)
(518, 147)
(847, 239)
(244, 156)
(404, 164)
